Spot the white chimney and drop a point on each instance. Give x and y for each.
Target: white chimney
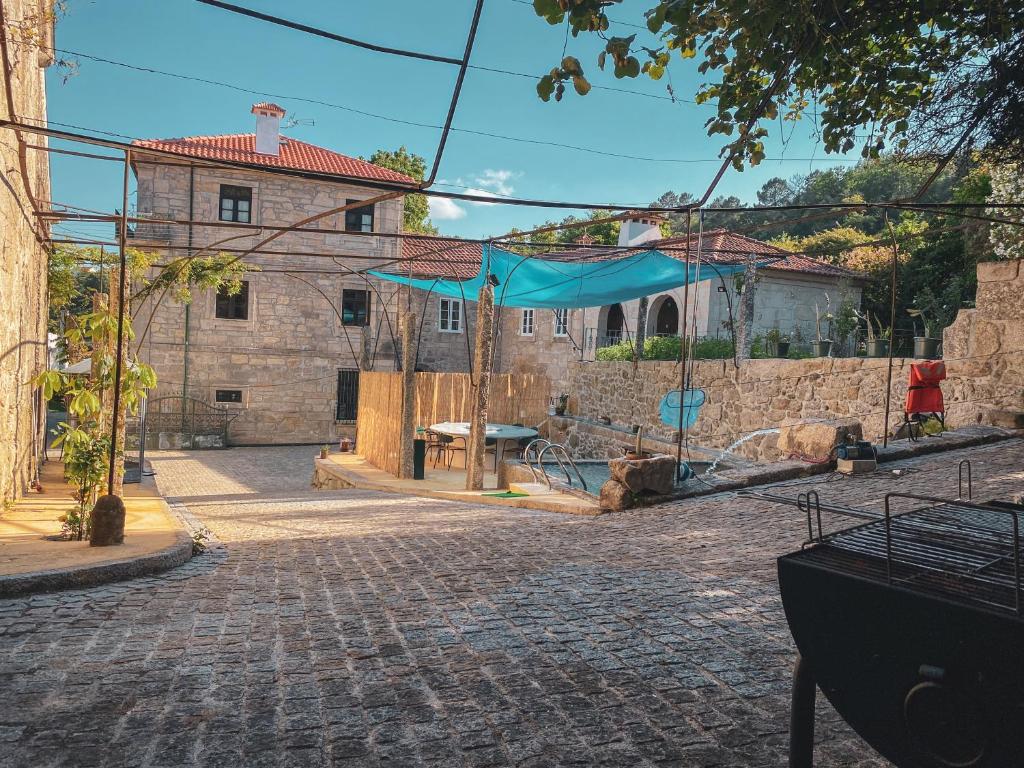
(640, 228)
(268, 128)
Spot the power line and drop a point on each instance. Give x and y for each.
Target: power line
(432, 126)
(527, 202)
(328, 35)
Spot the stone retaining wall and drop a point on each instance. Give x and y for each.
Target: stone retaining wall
(984, 361)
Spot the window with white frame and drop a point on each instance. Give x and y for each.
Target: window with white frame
(526, 325)
(449, 319)
(562, 322)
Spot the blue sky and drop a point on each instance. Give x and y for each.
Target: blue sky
(191, 39)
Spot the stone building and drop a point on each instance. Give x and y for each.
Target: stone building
(786, 291)
(284, 353)
(23, 259)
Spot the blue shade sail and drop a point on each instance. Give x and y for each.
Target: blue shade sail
(525, 281)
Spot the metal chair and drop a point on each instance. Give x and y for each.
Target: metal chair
(435, 445)
(449, 448)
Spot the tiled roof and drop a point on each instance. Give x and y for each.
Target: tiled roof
(461, 259)
(294, 154)
(723, 245)
(449, 258)
(267, 105)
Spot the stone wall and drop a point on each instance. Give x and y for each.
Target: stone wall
(984, 361)
(23, 307)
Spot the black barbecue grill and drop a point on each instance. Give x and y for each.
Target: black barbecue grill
(911, 624)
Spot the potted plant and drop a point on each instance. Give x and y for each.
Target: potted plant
(925, 347)
(324, 451)
(877, 344)
(845, 323)
(777, 343)
(823, 346)
(563, 403)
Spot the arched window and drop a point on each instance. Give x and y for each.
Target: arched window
(615, 323)
(667, 323)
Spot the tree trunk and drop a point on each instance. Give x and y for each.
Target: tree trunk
(122, 410)
(745, 333)
(641, 327)
(405, 467)
(481, 391)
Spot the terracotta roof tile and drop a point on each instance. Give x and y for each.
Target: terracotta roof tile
(295, 154)
(433, 258)
(723, 245)
(269, 106)
(450, 258)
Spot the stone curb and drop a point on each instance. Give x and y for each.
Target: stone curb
(102, 573)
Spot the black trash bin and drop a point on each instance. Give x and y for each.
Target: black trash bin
(419, 458)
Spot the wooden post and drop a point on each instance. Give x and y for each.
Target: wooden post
(482, 365)
(408, 395)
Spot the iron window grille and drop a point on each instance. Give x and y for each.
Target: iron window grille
(359, 219)
(526, 326)
(228, 396)
(233, 307)
(562, 322)
(450, 316)
(355, 307)
(235, 203)
(348, 394)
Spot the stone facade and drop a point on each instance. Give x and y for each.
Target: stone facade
(23, 302)
(284, 357)
(984, 363)
(782, 299)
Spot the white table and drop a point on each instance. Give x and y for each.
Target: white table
(500, 433)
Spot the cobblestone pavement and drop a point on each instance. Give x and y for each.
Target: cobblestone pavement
(353, 628)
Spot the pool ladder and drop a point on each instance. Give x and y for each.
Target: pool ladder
(541, 446)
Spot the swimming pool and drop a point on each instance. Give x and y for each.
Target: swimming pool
(596, 472)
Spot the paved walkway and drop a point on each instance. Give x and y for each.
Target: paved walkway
(354, 628)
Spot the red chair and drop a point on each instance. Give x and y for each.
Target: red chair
(924, 396)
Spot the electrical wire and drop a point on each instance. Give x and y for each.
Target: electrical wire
(432, 126)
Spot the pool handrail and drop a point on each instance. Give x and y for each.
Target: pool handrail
(555, 448)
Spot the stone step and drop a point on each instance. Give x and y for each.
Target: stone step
(531, 489)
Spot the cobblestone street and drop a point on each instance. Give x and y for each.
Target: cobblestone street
(355, 628)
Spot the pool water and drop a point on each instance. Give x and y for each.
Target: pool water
(596, 473)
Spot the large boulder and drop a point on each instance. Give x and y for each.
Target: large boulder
(615, 497)
(816, 439)
(107, 522)
(656, 474)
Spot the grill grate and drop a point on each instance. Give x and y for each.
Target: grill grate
(953, 549)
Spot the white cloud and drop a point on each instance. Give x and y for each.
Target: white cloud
(497, 180)
(443, 209)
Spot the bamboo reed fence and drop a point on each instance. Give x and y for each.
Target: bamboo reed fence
(515, 399)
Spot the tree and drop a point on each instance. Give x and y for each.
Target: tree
(1007, 186)
(415, 217)
(604, 233)
(91, 316)
(909, 75)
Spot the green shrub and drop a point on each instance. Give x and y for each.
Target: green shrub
(667, 348)
(623, 351)
(662, 348)
(713, 349)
